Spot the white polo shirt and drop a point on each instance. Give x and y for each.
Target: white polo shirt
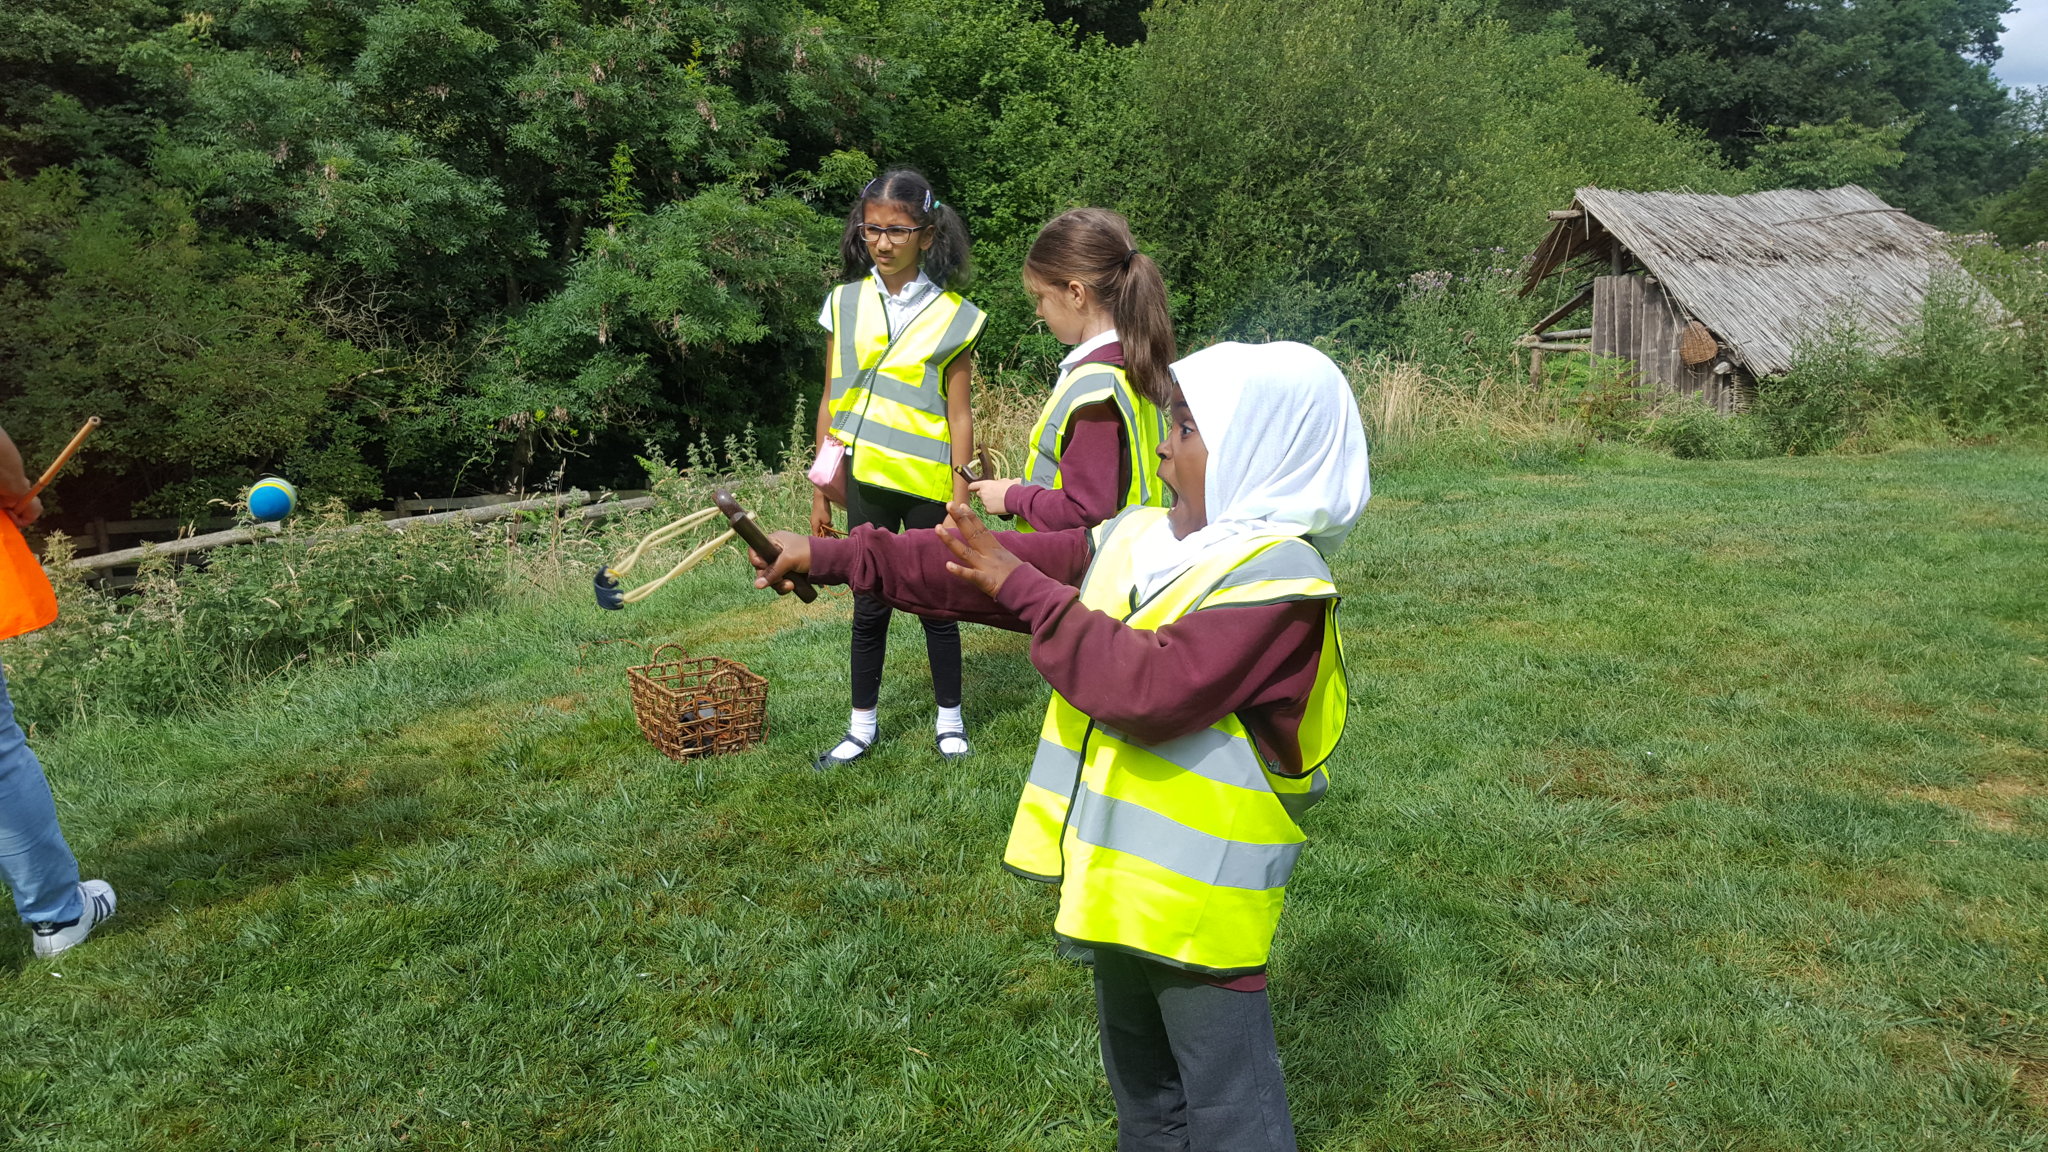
(1082, 349)
(899, 309)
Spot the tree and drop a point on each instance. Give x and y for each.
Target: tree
(1293, 160)
(1734, 68)
(119, 305)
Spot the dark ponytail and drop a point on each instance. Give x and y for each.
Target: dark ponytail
(1094, 246)
(945, 261)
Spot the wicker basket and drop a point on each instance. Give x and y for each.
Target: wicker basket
(1697, 345)
(697, 705)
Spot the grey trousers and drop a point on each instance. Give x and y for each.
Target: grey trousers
(1193, 1067)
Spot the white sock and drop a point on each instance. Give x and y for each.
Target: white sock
(950, 720)
(865, 723)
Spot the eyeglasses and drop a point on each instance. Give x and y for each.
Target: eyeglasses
(873, 233)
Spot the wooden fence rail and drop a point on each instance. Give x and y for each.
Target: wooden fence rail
(471, 515)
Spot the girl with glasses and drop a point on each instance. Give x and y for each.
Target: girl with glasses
(896, 416)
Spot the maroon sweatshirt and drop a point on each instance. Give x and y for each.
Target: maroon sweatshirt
(1258, 661)
(1095, 470)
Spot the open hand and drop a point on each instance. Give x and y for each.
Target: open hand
(978, 558)
(992, 493)
(796, 557)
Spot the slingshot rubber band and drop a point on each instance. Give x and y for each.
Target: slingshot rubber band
(743, 527)
(607, 582)
(684, 565)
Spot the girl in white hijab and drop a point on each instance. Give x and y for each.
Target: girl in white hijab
(1199, 692)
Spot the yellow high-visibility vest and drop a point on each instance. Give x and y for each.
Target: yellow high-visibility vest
(1144, 427)
(1180, 851)
(888, 395)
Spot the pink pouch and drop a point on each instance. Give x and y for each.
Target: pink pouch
(828, 471)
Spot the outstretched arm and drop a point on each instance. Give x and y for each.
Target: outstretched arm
(916, 571)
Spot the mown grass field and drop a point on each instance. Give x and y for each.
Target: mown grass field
(1684, 806)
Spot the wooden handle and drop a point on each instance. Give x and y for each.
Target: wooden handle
(50, 473)
(743, 522)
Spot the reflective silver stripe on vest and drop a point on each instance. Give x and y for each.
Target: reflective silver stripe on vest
(928, 399)
(1280, 562)
(955, 337)
(1148, 470)
(1138, 831)
(849, 355)
(1055, 768)
(1045, 460)
(1298, 803)
(1211, 754)
(882, 436)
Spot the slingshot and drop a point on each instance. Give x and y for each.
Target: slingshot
(741, 524)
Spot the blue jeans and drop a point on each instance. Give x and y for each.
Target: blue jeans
(34, 860)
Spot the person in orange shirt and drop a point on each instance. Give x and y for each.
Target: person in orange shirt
(35, 862)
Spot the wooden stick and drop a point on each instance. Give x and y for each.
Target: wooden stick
(1579, 300)
(742, 522)
(50, 473)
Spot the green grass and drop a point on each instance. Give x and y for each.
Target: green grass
(1685, 805)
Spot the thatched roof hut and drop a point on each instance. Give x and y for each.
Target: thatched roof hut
(1756, 274)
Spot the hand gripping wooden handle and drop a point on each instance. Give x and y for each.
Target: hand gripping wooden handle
(743, 522)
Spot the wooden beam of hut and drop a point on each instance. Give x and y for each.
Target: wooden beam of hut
(1580, 299)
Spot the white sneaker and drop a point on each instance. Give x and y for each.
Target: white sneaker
(56, 939)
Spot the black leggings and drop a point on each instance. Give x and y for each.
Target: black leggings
(896, 511)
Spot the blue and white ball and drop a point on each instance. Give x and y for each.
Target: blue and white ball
(273, 499)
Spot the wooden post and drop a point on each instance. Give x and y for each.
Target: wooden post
(1535, 369)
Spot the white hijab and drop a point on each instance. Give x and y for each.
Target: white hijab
(1286, 447)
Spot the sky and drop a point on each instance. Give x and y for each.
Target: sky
(2026, 45)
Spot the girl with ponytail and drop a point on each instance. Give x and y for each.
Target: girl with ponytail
(895, 419)
(1093, 451)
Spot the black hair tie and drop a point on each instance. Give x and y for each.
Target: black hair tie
(1127, 259)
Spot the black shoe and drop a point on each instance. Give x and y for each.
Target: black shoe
(952, 757)
(826, 761)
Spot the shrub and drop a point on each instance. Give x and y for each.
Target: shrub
(325, 586)
(1818, 403)
(1691, 429)
(1462, 325)
(1965, 366)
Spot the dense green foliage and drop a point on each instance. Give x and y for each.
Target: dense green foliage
(1976, 364)
(1746, 71)
(1293, 158)
(399, 246)
(1672, 815)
